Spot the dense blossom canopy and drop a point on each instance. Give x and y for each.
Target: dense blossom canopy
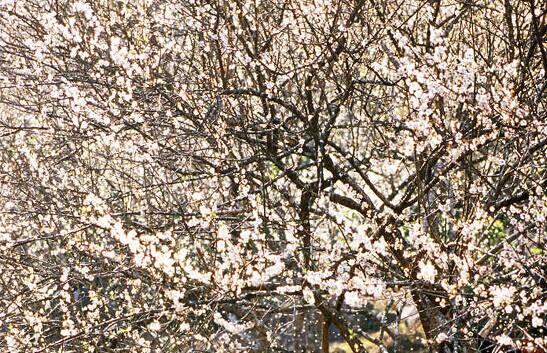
(252, 176)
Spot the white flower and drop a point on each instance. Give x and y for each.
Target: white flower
(223, 232)
(376, 290)
(504, 340)
(287, 289)
(353, 299)
(502, 295)
(154, 326)
(275, 269)
(436, 36)
(308, 296)
(9, 206)
(537, 322)
(427, 271)
(441, 337)
(316, 277)
(68, 328)
(83, 8)
(104, 221)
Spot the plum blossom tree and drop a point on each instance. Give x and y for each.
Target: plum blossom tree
(250, 176)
